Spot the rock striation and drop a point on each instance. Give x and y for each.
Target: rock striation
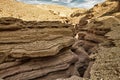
(35, 48)
(48, 47)
(38, 50)
(35, 43)
(98, 34)
(107, 58)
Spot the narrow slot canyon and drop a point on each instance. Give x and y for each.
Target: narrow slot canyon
(47, 46)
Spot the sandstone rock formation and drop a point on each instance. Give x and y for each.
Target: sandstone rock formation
(35, 43)
(72, 78)
(102, 9)
(38, 49)
(34, 48)
(107, 65)
(47, 47)
(101, 33)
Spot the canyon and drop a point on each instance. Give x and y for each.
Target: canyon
(51, 42)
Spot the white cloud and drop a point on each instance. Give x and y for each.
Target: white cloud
(76, 3)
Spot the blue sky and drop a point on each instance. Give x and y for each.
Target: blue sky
(69, 3)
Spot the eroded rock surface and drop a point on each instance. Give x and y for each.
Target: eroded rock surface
(27, 39)
(107, 35)
(72, 78)
(98, 35)
(107, 61)
(36, 68)
(46, 50)
(35, 50)
(38, 50)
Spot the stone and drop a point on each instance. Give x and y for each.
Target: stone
(59, 74)
(35, 48)
(87, 72)
(106, 8)
(89, 37)
(87, 45)
(117, 15)
(41, 46)
(37, 67)
(27, 39)
(72, 78)
(78, 12)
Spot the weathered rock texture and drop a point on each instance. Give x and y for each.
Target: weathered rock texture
(106, 8)
(35, 43)
(33, 39)
(72, 78)
(98, 34)
(103, 9)
(46, 50)
(38, 50)
(31, 50)
(107, 65)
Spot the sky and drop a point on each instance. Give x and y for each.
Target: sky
(70, 3)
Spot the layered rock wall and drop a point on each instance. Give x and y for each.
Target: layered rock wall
(34, 48)
(49, 48)
(102, 29)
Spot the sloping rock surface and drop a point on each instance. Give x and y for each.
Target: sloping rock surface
(107, 61)
(12, 8)
(27, 39)
(35, 50)
(98, 34)
(36, 68)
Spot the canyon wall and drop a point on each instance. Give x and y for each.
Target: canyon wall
(47, 44)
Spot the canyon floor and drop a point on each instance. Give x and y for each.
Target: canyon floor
(52, 42)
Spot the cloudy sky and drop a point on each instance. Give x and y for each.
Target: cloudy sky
(69, 3)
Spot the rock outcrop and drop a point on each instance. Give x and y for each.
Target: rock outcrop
(48, 47)
(34, 48)
(38, 50)
(106, 8)
(35, 43)
(107, 65)
(98, 34)
(102, 9)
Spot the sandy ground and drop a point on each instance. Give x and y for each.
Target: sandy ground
(11, 8)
